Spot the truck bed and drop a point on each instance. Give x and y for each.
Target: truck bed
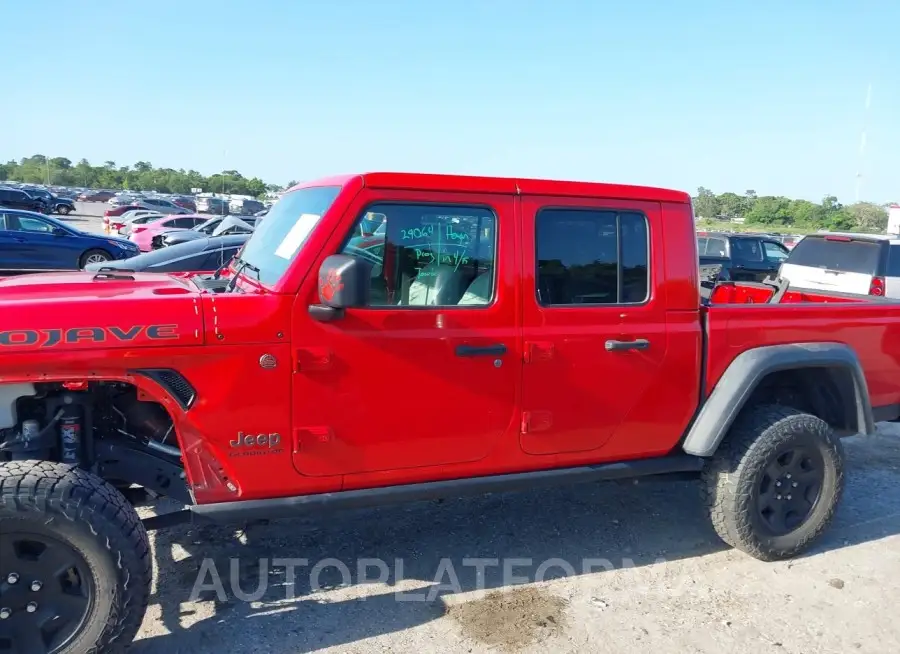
(741, 316)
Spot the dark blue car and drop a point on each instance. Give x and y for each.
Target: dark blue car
(31, 242)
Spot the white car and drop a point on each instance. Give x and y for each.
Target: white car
(861, 264)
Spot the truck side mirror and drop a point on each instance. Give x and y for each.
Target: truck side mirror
(343, 284)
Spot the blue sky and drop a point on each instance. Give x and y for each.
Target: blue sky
(764, 94)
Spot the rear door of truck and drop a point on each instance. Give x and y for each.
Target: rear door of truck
(594, 324)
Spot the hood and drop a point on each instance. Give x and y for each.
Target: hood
(230, 223)
(77, 311)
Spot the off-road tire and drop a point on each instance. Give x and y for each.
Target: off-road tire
(93, 518)
(732, 478)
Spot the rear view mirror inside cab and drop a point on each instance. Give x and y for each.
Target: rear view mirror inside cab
(344, 283)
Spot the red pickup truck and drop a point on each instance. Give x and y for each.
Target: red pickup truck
(490, 334)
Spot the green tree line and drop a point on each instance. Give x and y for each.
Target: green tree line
(781, 213)
(142, 176)
(768, 211)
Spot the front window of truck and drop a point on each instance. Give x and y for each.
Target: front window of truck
(280, 235)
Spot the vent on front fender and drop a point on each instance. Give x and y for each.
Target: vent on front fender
(174, 382)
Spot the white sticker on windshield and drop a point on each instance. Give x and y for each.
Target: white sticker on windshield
(294, 239)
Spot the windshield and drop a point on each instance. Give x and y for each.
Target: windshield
(279, 237)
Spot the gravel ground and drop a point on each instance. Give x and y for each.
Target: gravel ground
(666, 585)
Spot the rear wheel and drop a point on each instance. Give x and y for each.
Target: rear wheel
(775, 482)
(94, 256)
(74, 562)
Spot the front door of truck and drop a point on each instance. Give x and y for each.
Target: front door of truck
(428, 373)
(594, 325)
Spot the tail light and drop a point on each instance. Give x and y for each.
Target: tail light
(137, 229)
(116, 226)
(877, 286)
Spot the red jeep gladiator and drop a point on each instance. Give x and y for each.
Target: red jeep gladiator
(393, 337)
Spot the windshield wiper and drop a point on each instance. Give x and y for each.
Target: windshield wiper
(241, 267)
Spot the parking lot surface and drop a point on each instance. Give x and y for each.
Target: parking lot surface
(88, 216)
(673, 586)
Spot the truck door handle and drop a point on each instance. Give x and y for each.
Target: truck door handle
(481, 351)
(619, 346)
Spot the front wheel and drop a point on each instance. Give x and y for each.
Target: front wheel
(774, 484)
(74, 562)
(94, 256)
(64, 210)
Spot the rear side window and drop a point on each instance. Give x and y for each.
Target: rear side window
(746, 249)
(893, 269)
(712, 247)
(847, 256)
(591, 257)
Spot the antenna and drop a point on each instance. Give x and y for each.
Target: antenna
(862, 143)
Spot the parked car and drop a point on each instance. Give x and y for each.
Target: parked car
(864, 264)
(142, 235)
(185, 203)
(31, 241)
(790, 241)
(95, 196)
(57, 204)
(743, 257)
(121, 199)
(117, 224)
(111, 214)
(127, 221)
(560, 321)
(218, 226)
(245, 207)
(218, 206)
(13, 198)
(206, 254)
(162, 206)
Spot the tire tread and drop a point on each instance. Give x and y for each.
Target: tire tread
(71, 493)
(728, 485)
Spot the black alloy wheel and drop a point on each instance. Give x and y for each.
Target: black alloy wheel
(790, 489)
(46, 593)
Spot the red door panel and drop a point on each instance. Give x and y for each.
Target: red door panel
(397, 387)
(589, 360)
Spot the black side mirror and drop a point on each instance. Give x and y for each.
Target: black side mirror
(343, 284)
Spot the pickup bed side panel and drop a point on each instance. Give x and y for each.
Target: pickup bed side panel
(861, 337)
(870, 329)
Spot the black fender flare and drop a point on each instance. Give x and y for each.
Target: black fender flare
(749, 368)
